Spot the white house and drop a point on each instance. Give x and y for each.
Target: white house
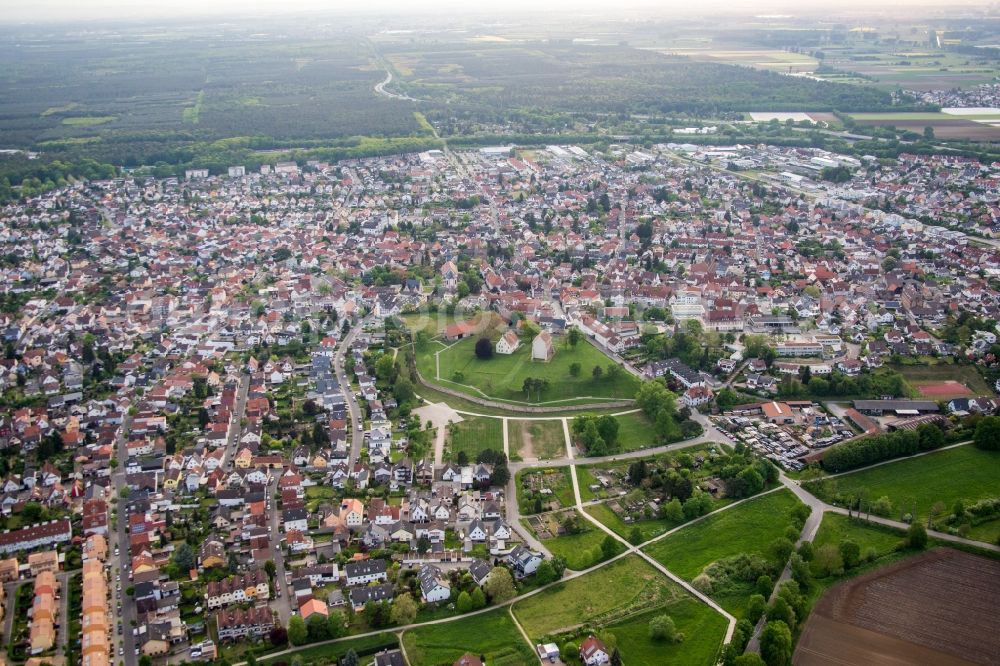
(541, 347)
(433, 584)
(508, 343)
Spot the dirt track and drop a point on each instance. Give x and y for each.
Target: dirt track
(936, 608)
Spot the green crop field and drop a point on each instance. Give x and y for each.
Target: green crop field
(491, 634)
(916, 484)
(542, 440)
(502, 377)
(475, 434)
(751, 528)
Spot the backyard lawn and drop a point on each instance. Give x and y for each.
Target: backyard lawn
(916, 484)
(502, 377)
(491, 634)
(536, 440)
(475, 434)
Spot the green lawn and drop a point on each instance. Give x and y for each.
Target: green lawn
(502, 377)
(87, 121)
(604, 597)
(649, 528)
(635, 431)
(702, 627)
(475, 434)
(491, 634)
(581, 550)
(837, 528)
(329, 654)
(434, 395)
(751, 528)
(542, 440)
(915, 484)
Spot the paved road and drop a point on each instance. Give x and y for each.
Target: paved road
(380, 89)
(280, 604)
(357, 432)
(120, 564)
(236, 422)
(10, 591)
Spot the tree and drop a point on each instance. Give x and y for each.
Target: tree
(776, 644)
(404, 609)
(270, 569)
(423, 544)
(478, 599)
(781, 611)
(297, 632)
(278, 636)
(749, 659)
(726, 398)
(616, 657)
(336, 624)
(574, 368)
(184, 558)
(609, 547)
(916, 536)
(987, 434)
(145, 660)
(349, 659)
(464, 602)
(597, 372)
(635, 536)
(851, 553)
(662, 629)
(484, 349)
(317, 627)
(828, 560)
(574, 336)
(756, 606)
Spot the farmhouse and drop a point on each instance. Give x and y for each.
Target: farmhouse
(593, 652)
(508, 343)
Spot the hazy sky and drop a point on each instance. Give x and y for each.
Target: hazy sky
(101, 10)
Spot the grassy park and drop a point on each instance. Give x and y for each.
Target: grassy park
(749, 528)
(491, 634)
(915, 485)
(635, 431)
(619, 600)
(502, 377)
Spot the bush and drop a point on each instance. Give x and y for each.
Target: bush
(662, 628)
(916, 537)
(988, 433)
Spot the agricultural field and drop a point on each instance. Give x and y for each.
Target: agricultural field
(913, 67)
(750, 528)
(536, 440)
(502, 377)
(944, 126)
(887, 611)
(776, 60)
(473, 435)
(491, 634)
(915, 485)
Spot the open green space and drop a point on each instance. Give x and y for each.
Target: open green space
(491, 634)
(702, 627)
(648, 528)
(620, 599)
(581, 549)
(86, 121)
(635, 431)
(332, 653)
(551, 487)
(501, 377)
(475, 434)
(915, 485)
(750, 528)
(541, 440)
